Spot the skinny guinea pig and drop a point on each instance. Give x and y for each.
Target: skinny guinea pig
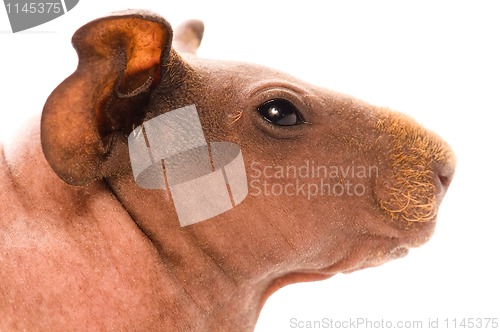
(84, 247)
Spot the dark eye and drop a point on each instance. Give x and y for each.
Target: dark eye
(280, 112)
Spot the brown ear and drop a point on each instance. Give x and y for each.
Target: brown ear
(188, 36)
(119, 65)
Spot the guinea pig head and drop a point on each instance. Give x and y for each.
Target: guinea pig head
(334, 184)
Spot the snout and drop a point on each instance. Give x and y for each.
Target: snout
(418, 169)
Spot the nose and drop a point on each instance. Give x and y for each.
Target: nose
(444, 171)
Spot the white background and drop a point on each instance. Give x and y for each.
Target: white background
(435, 60)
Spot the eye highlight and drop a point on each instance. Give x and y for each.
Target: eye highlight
(280, 112)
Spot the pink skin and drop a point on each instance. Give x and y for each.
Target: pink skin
(82, 247)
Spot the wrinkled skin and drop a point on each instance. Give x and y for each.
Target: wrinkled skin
(82, 246)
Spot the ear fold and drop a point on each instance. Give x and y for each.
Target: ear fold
(188, 36)
(120, 61)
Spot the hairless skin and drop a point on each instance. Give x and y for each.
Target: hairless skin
(83, 247)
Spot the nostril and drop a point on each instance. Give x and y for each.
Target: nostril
(445, 180)
(444, 174)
